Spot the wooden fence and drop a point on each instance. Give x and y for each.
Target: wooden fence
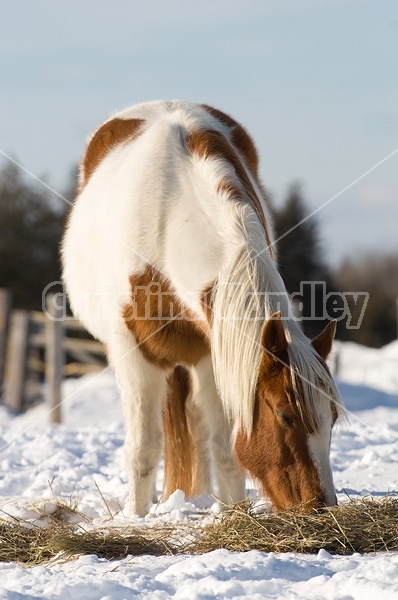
(37, 350)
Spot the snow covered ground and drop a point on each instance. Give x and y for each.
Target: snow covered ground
(85, 455)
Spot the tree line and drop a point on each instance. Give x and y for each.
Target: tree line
(32, 221)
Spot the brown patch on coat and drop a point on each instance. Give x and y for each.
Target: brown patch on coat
(244, 143)
(166, 330)
(208, 143)
(179, 451)
(111, 134)
(239, 137)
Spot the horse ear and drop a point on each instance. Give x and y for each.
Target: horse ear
(323, 342)
(273, 339)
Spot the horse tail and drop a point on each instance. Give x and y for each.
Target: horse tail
(179, 450)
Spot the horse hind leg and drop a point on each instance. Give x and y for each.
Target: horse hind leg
(198, 426)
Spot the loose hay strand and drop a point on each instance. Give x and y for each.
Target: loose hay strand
(364, 526)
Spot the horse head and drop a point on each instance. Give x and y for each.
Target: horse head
(287, 451)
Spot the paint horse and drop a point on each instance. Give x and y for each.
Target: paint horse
(169, 259)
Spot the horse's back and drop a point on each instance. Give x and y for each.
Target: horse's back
(144, 200)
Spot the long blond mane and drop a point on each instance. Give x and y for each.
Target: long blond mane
(250, 289)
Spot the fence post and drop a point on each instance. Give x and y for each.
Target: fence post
(16, 360)
(5, 311)
(54, 333)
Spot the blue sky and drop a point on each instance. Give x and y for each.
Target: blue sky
(316, 84)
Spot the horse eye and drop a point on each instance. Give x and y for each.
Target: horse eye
(288, 421)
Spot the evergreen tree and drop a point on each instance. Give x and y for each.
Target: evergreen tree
(300, 256)
(31, 225)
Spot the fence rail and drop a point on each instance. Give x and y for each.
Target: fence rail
(37, 349)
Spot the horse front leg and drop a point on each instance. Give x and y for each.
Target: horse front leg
(142, 449)
(142, 386)
(229, 476)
